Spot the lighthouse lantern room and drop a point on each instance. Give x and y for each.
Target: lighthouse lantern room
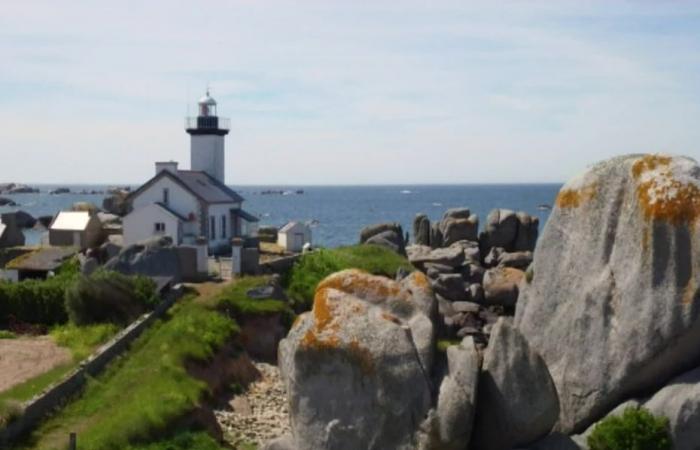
(207, 132)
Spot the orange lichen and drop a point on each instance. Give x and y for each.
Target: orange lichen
(421, 280)
(311, 340)
(391, 318)
(661, 195)
(573, 198)
(322, 310)
(297, 321)
(690, 292)
(363, 285)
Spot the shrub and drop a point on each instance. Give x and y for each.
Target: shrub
(83, 340)
(37, 301)
(635, 429)
(107, 296)
(4, 334)
(185, 440)
(315, 266)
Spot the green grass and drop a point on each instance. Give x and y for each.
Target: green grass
(81, 341)
(138, 397)
(4, 334)
(313, 267)
(188, 440)
(237, 304)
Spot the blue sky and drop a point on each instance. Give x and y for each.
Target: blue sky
(354, 92)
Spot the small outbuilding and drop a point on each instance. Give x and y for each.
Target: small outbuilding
(293, 236)
(10, 234)
(76, 229)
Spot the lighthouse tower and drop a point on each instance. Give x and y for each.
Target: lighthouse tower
(207, 132)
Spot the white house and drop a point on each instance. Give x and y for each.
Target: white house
(293, 236)
(75, 228)
(191, 204)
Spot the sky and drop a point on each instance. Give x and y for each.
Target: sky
(352, 92)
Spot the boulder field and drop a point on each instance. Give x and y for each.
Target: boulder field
(479, 349)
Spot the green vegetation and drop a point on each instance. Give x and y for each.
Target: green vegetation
(442, 344)
(189, 440)
(313, 267)
(107, 296)
(635, 429)
(139, 396)
(37, 301)
(234, 300)
(4, 334)
(82, 341)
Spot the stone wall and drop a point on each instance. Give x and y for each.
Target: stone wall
(54, 396)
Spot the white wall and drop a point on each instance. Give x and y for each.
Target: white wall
(140, 224)
(181, 201)
(287, 239)
(218, 210)
(207, 154)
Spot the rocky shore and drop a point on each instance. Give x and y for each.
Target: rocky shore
(500, 340)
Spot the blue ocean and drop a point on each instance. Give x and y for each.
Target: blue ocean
(337, 212)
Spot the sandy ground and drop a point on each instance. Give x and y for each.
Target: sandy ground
(24, 358)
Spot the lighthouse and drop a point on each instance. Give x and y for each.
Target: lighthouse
(207, 133)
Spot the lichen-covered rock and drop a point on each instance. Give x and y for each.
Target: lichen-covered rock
(500, 229)
(614, 305)
(452, 256)
(517, 402)
(154, 257)
(501, 285)
(357, 366)
(450, 286)
(421, 230)
(449, 424)
(526, 235)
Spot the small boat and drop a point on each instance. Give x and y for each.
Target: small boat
(437, 204)
(406, 191)
(544, 207)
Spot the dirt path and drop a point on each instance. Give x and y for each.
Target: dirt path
(259, 414)
(25, 358)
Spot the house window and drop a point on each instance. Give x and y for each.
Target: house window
(166, 196)
(212, 227)
(223, 227)
(159, 227)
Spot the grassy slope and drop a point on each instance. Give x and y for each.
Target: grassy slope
(139, 395)
(235, 302)
(314, 267)
(81, 341)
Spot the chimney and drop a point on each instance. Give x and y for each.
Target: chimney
(166, 165)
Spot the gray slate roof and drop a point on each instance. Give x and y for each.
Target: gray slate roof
(200, 184)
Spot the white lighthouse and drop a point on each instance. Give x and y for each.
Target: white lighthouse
(207, 132)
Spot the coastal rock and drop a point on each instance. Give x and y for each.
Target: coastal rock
(421, 230)
(389, 235)
(679, 401)
(117, 202)
(10, 234)
(526, 235)
(500, 230)
(501, 285)
(518, 260)
(435, 235)
(21, 189)
(449, 424)
(280, 443)
(154, 257)
(450, 286)
(517, 401)
(433, 270)
(21, 219)
(85, 206)
(356, 367)
(7, 202)
(458, 224)
(494, 256)
(616, 266)
(471, 250)
(419, 255)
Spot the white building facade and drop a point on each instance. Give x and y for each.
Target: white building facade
(192, 206)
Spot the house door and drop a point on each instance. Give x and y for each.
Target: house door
(76, 239)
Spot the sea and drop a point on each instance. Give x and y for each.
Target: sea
(336, 213)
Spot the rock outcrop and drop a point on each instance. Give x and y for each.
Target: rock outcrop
(154, 257)
(389, 235)
(356, 368)
(509, 230)
(614, 305)
(517, 402)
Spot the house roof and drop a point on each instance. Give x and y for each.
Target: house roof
(245, 215)
(200, 184)
(42, 259)
(71, 220)
(290, 226)
(171, 211)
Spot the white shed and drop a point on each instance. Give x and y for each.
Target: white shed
(293, 236)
